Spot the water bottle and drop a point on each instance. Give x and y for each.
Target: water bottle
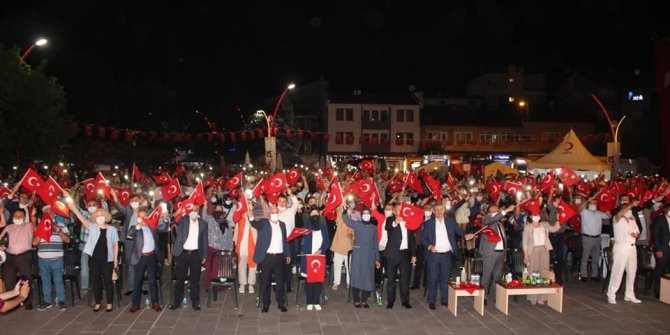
(464, 276)
(508, 278)
(184, 302)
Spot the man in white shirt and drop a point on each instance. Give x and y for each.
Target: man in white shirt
(592, 225)
(287, 216)
(624, 253)
(399, 255)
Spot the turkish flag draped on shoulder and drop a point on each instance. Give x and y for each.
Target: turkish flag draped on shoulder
(568, 176)
(276, 183)
(334, 196)
(43, 229)
(316, 268)
(171, 190)
(32, 181)
(152, 219)
(136, 173)
(413, 215)
(413, 182)
(234, 182)
(162, 178)
(565, 212)
(241, 207)
(123, 195)
(293, 175)
(49, 191)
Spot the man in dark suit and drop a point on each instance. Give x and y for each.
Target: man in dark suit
(144, 258)
(129, 221)
(439, 237)
(493, 253)
(399, 255)
(190, 253)
(661, 237)
(271, 254)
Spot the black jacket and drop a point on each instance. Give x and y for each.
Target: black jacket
(392, 250)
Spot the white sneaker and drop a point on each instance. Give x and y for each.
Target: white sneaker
(633, 300)
(251, 289)
(317, 307)
(611, 300)
(241, 289)
(310, 307)
(335, 286)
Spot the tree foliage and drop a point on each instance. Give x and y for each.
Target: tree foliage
(33, 118)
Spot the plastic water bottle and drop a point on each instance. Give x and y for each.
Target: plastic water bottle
(464, 277)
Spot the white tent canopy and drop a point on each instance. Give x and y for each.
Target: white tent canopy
(570, 153)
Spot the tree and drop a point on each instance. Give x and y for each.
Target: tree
(34, 123)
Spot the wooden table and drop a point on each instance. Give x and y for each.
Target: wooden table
(554, 292)
(456, 291)
(665, 289)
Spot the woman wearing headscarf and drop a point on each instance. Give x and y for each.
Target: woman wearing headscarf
(314, 243)
(102, 247)
(365, 255)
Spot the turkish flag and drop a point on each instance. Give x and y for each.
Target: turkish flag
(292, 176)
(646, 197)
(59, 208)
(434, 187)
(565, 212)
(89, 188)
(259, 188)
(617, 187)
(364, 189)
(583, 188)
(494, 188)
(186, 207)
(357, 175)
(123, 195)
(335, 197)
(102, 185)
(43, 229)
(162, 178)
(297, 232)
(32, 181)
(209, 182)
(329, 172)
(606, 200)
(396, 183)
(368, 165)
(492, 235)
(277, 183)
(49, 191)
(136, 172)
(5, 192)
(512, 187)
(152, 219)
(272, 197)
(316, 268)
(547, 182)
(568, 176)
(234, 193)
(319, 182)
(171, 190)
(241, 207)
(450, 180)
(414, 182)
(530, 205)
(528, 181)
(198, 194)
(234, 182)
(413, 215)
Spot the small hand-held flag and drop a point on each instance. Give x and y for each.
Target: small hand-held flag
(152, 219)
(412, 214)
(241, 207)
(316, 268)
(31, 181)
(297, 232)
(171, 190)
(43, 229)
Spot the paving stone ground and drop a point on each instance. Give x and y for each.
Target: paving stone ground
(585, 311)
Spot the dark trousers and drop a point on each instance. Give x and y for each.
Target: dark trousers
(360, 295)
(492, 266)
(392, 266)
(146, 264)
(16, 266)
(662, 266)
(313, 293)
(100, 273)
(272, 264)
(163, 242)
(558, 255)
(420, 266)
(288, 268)
(379, 273)
(439, 269)
(188, 262)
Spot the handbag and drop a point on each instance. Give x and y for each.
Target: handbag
(115, 274)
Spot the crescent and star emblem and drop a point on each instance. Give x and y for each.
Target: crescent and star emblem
(315, 265)
(365, 188)
(30, 181)
(172, 189)
(569, 146)
(406, 210)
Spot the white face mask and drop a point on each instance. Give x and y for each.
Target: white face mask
(18, 221)
(213, 199)
(427, 213)
(228, 202)
(365, 217)
(578, 201)
(100, 220)
(92, 209)
(193, 215)
(135, 205)
(281, 208)
(23, 206)
(593, 207)
(535, 218)
(628, 214)
(274, 217)
(388, 213)
(479, 198)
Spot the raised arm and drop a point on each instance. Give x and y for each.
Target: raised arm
(76, 211)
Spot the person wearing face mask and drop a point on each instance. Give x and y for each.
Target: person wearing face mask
(287, 215)
(550, 215)
(163, 231)
(536, 248)
(228, 206)
(420, 252)
(190, 253)
(245, 244)
(129, 222)
(624, 253)
(19, 259)
(50, 260)
(592, 225)
(314, 243)
(220, 237)
(343, 243)
(272, 254)
(24, 202)
(145, 258)
(661, 237)
(365, 257)
(102, 247)
(494, 254)
(400, 256)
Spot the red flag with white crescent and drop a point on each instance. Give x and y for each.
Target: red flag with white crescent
(547, 181)
(5, 192)
(297, 232)
(31, 181)
(494, 188)
(368, 165)
(413, 182)
(241, 207)
(412, 214)
(89, 188)
(259, 188)
(136, 172)
(512, 187)
(60, 208)
(102, 186)
(568, 176)
(316, 268)
(162, 178)
(234, 182)
(171, 190)
(152, 219)
(43, 229)
(364, 190)
(123, 195)
(276, 183)
(198, 195)
(565, 212)
(293, 175)
(49, 191)
(606, 200)
(319, 183)
(335, 197)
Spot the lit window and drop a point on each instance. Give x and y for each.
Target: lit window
(510, 99)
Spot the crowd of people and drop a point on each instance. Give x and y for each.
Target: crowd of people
(403, 230)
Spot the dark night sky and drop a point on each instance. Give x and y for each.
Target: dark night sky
(120, 59)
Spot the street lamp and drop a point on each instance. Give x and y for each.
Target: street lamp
(40, 42)
(261, 112)
(290, 86)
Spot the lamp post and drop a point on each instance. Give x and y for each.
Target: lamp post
(40, 42)
(281, 98)
(613, 148)
(525, 105)
(270, 142)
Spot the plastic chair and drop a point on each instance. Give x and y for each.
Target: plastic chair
(71, 271)
(226, 276)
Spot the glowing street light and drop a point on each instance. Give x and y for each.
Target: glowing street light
(40, 42)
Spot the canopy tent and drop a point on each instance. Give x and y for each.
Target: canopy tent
(493, 168)
(570, 153)
(432, 166)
